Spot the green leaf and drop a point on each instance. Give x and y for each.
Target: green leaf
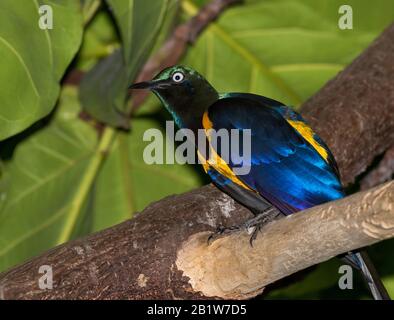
(126, 184)
(103, 90)
(139, 22)
(283, 49)
(44, 176)
(65, 37)
(33, 60)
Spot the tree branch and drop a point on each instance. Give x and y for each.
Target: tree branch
(163, 252)
(146, 257)
(237, 271)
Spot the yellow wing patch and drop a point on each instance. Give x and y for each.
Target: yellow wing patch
(306, 132)
(215, 160)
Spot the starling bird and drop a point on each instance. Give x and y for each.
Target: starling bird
(290, 167)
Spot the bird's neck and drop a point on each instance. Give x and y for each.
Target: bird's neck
(187, 111)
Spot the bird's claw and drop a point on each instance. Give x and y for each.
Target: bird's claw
(256, 223)
(253, 237)
(222, 231)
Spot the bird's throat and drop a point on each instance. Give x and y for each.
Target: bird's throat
(187, 110)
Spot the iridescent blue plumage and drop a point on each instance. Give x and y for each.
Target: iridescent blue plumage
(286, 169)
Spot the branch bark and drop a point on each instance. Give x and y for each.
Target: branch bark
(147, 257)
(237, 271)
(382, 173)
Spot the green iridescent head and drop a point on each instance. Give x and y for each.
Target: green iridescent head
(184, 92)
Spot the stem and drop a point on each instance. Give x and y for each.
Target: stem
(84, 186)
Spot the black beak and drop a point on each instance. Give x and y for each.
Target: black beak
(142, 85)
(154, 84)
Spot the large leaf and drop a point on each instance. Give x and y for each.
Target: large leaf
(104, 89)
(44, 176)
(33, 60)
(283, 49)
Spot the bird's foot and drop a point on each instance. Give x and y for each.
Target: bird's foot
(252, 226)
(255, 224)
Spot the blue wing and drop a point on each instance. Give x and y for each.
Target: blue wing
(287, 168)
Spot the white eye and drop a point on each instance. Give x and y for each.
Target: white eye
(178, 76)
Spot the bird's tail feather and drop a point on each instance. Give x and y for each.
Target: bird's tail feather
(361, 261)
